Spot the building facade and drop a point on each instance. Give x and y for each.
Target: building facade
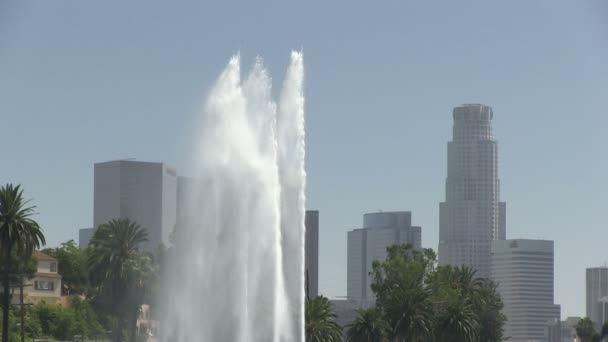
(369, 243)
(143, 192)
(596, 293)
(46, 283)
(84, 237)
(524, 272)
(311, 250)
(471, 216)
(562, 331)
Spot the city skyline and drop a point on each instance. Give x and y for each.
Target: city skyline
(380, 85)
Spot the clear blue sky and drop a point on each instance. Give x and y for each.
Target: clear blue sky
(89, 81)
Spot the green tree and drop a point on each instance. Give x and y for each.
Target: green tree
(422, 302)
(320, 324)
(585, 330)
(399, 283)
(455, 292)
(56, 321)
(113, 249)
(369, 326)
(72, 267)
(86, 317)
(489, 308)
(18, 233)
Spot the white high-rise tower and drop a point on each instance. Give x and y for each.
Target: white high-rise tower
(472, 215)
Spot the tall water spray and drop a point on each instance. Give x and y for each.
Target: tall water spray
(236, 268)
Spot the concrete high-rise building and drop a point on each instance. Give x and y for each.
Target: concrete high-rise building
(143, 192)
(564, 331)
(84, 236)
(523, 270)
(472, 215)
(597, 291)
(369, 243)
(311, 251)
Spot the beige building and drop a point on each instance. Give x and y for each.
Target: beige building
(46, 284)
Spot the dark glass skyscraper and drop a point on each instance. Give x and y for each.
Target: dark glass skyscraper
(472, 214)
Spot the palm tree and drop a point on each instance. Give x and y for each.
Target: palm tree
(489, 307)
(113, 248)
(369, 326)
(458, 301)
(458, 322)
(320, 324)
(19, 234)
(409, 312)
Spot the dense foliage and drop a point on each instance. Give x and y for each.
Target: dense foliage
(107, 283)
(320, 324)
(72, 267)
(120, 271)
(585, 331)
(369, 326)
(63, 323)
(417, 301)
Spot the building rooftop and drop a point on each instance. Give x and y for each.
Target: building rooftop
(42, 256)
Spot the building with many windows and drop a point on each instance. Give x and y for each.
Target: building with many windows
(523, 270)
(369, 243)
(471, 216)
(597, 294)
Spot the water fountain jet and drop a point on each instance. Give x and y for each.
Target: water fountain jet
(236, 271)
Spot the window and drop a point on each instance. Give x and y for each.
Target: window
(53, 267)
(43, 285)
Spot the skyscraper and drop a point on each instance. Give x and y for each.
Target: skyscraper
(84, 237)
(311, 251)
(597, 291)
(472, 215)
(523, 270)
(143, 192)
(369, 243)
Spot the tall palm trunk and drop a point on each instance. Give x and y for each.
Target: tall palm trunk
(6, 284)
(118, 311)
(21, 311)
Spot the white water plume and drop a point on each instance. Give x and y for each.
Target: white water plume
(236, 270)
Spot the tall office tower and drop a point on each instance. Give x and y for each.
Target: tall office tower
(84, 237)
(597, 291)
(523, 270)
(311, 251)
(472, 215)
(143, 192)
(369, 243)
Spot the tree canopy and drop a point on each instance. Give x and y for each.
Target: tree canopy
(418, 301)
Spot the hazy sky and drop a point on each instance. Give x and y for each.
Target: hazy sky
(84, 81)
